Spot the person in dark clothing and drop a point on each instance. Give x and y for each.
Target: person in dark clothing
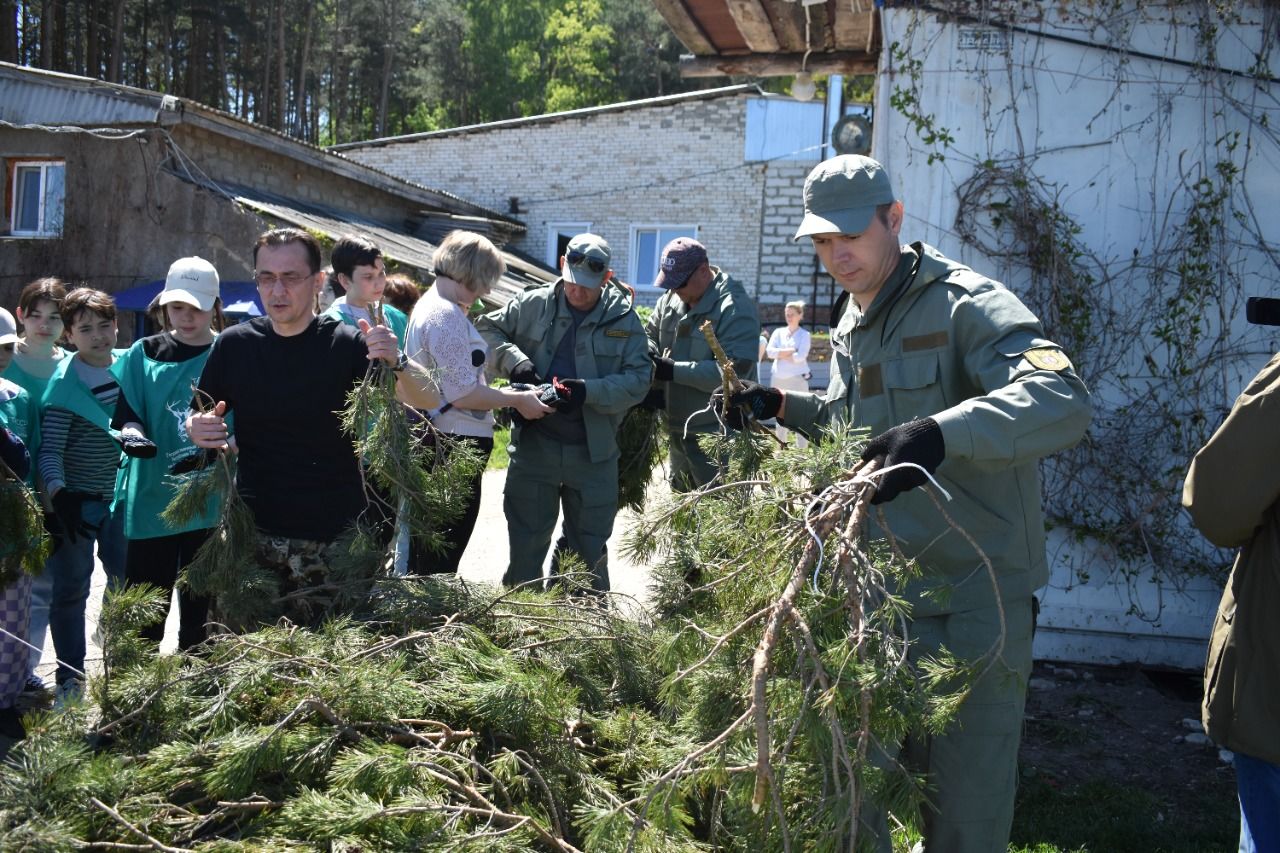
(285, 377)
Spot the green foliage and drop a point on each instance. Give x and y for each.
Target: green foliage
(357, 69)
(440, 715)
(1104, 816)
(223, 567)
(906, 100)
(578, 43)
(640, 451)
(24, 545)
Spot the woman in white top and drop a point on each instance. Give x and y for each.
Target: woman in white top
(441, 336)
(789, 348)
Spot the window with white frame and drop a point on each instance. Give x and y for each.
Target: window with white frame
(558, 236)
(646, 248)
(37, 192)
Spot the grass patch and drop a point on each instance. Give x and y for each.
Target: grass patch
(1103, 817)
(498, 459)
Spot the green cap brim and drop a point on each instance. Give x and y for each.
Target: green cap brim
(850, 220)
(582, 276)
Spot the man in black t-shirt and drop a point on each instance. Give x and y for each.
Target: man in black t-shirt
(286, 377)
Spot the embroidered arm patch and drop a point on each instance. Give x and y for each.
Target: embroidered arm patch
(1047, 358)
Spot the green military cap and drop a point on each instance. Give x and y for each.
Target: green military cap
(842, 194)
(586, 260)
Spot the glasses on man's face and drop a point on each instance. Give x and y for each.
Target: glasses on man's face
(582, 259)
(288, 279)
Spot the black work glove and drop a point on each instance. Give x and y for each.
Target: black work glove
(137, 446)
(524, 374)
(920, 442)
(201, 457)
(572, 392)
(655, 400)
(66, 506)
(664, 369)
(14, 453)
(754, 402)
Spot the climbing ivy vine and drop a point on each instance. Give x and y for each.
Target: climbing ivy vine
(1155, 329)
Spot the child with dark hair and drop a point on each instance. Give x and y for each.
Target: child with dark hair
(36, 355)
(359, 269)
(402, 292)
(78, 461)
(155, 378)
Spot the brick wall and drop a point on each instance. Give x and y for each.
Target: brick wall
(668, 164)
(787, 266)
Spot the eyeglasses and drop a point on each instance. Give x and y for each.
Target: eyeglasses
(288, 279)
(582, 259)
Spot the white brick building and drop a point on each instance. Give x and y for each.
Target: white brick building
(725, 165)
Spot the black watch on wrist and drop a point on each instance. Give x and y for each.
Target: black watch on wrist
(401, 363)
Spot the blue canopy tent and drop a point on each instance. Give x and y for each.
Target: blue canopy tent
(239, 301)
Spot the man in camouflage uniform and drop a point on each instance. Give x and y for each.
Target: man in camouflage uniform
(684, 366)
(582, 333)
(951, 373)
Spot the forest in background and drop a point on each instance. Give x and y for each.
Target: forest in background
(337, 71)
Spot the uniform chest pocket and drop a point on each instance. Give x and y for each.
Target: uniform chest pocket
(609, 350)
(912, 387)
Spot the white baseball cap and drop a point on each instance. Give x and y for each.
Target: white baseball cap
(8, 328)
(193, 281)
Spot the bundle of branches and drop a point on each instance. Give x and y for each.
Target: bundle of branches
(640, 452)
(411, 469)
(744, 715)
(223, 568)
(24, 545)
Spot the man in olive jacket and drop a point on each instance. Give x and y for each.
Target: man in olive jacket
(582, 332)
(951, 373)
(1233, 494)
(684, 365)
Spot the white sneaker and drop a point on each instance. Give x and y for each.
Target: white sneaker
(69, 691)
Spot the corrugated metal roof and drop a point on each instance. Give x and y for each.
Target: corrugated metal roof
(663, 100)
(396, 244)
(46, 97)
(34, 96)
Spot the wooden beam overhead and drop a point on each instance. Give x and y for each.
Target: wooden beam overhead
(788, 24)
(778, 64)
(850, 26)
(754, 24)
(684, 26)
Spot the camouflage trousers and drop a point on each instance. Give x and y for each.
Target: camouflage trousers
(306, 587)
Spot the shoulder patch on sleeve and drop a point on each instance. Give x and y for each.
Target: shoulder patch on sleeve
(617, 333)
(1047, 358)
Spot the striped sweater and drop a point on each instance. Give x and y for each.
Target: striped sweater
(75, 453)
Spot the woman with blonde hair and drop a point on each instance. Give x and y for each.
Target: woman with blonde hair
(441, 336)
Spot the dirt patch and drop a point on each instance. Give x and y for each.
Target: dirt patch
(1118, 733)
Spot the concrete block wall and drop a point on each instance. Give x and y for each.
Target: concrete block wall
(671, 164)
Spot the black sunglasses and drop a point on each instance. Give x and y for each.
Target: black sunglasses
(581, 259)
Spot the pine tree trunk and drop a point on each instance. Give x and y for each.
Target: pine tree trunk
(8, 31)
(116, 61)
(281, 71)
(93, 39)
(300, 93)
